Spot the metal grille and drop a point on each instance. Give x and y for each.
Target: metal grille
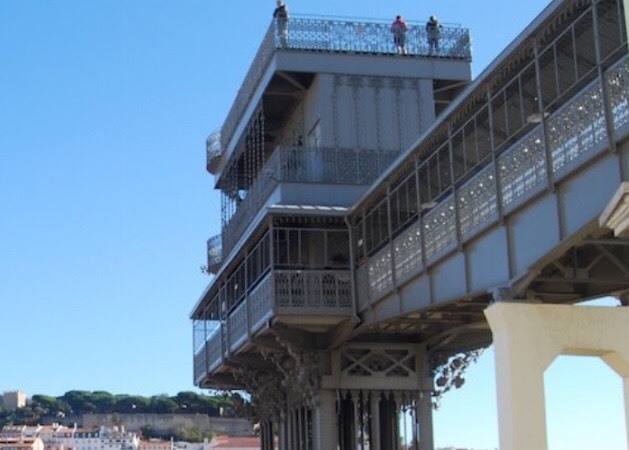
(380, 275)
(237, 326)
(440, 228)
(577, 128)
(312, 289)
(215, 348)
(618, 89)
(261, 302)
(389, 361)
(214, 253)
(477, 201)
(408, 252)
(522, 169)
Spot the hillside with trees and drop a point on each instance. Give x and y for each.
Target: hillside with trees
(102, 402)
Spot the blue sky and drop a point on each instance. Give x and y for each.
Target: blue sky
(105, 205)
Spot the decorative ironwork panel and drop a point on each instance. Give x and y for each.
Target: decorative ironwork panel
(617, 79)
(213, 149)
(477, 201)
(237, 325)
(380, 273)
(408, 252)
(522, 168)
(215, 348)
(440, 228)
(385, 361)
(200, 364)
(577, 128)
(214, 253)
(261, 302)
(313, 289)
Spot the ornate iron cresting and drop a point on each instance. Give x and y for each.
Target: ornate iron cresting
(337, 35)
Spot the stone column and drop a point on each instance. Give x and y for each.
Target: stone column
(527, 338)
(324, 426)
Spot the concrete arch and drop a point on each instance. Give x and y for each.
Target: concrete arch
(527, 339)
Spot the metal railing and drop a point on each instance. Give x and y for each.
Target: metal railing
(575, 133)
(305, 165)
(214, 253)
(338, 35)
(213, 151)
(299, 292)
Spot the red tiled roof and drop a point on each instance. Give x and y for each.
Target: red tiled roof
(239, 443)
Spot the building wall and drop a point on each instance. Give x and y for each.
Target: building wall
(14, 399)
(165, 422)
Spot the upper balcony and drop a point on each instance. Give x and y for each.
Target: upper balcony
(320, 35)
(214, 151)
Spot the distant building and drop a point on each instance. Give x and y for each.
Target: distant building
(21, 444)
(14, 400)
(59, 437)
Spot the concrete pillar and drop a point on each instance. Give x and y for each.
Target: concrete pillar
(626, 392)
(324, 424)
(424, 401)
(375, 420)
(527, 338)
(427, 105)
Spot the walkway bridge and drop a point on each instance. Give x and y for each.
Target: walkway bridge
(499, 199)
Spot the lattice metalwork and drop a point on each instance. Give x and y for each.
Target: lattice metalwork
(617, 79)
(408, 252)
(237, 326)
(577, 128)
(380, 274)
(261, 302)
(312, 289)
(393, 361)
(477, 201)
(214, 253)
(214, 151)
(215, 348)
(200, 364)
(522, 168)
(440, 228)
(333, 35)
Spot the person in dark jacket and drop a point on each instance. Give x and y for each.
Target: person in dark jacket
(433, 31)
(280, 14)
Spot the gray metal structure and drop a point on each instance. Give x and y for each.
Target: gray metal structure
(340, 286)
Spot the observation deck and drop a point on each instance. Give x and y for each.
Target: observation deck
(316, 44)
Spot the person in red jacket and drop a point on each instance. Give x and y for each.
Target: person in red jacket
(398, 29)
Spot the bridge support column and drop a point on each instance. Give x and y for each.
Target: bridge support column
(324, 424)
(527, 338)
(424, 402)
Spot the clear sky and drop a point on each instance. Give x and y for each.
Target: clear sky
(105, 204)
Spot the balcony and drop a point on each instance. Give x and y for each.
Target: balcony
(214, 253)
(304, 165)
(214, 151)
(312, 299)
(339, 36)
